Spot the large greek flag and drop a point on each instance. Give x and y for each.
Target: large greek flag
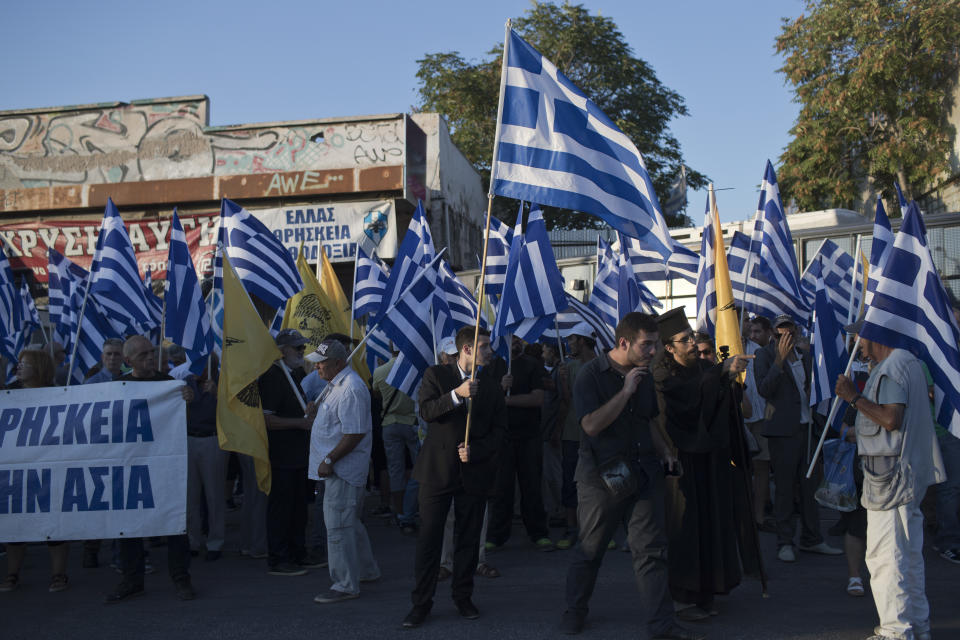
(706, 278)
(837, 269)
(187, 321)
(498, 250)
(755, 294)
(554, 146)
(115, 278)
(8, 297)
(265, 267)
(415, 252)
(910, 310)
(879, 248)
(649, 265)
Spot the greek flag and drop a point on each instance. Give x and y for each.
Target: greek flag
(498, 249)
(535, 295)
(265, 267)
(115, 278)
(576, 313)
(276, 325)
(214, 304)
(378, 346)
(155, 305)
(554, 146)
(455, 302)
(879, 248)
(371, 280)
(910, 310)
(633, 294)
(827, 343)
(8, 297)
(836, 268)
(900, 199)
(706, 278)
(773, 245)
(409, 325)
(68, 285)
(29, 316)
(604, 296)
(187, 322)
(650, 265)
(415, 252)
(755, 294)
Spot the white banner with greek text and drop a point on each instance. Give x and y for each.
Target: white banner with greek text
(96, 461)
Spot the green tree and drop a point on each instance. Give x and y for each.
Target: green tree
(874, 79)
(591, 51)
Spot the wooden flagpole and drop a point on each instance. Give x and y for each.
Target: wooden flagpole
(486, 233)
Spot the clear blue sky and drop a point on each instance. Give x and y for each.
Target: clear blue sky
(296, 59)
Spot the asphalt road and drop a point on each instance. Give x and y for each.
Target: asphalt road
(236, 598)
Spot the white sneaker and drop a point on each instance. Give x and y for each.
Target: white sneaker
(786, 554)
(822, 548)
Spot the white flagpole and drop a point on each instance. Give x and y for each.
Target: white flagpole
(810, 262)
(747, 269)
(834, 407)
(853, 279)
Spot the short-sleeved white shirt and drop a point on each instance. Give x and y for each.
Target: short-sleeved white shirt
(344, 408)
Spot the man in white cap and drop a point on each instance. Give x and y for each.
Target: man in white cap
(447, 351)
(340, 445)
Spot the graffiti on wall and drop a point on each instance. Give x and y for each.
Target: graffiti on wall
(166, 140)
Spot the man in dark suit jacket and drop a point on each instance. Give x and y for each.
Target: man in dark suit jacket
(783, 379)
(450, 471)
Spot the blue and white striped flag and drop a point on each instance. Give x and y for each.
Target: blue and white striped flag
(29, 315)
(8, 297)
(910, 310)
(755, 294)
(378, 346)
(214, 304)
(836, 268)
(69, 281)
(498, 250)
(557, 148)
(900, 199)
(115, 278)
(535, 295)
(263, 264)
(409, 325)
(371, 281)
(456, 302)
(706, 278)
(879, 248)
(603, 296)
(773, 245)
(827, 344)
(633, 295)
(187, 320)
(649, 265)
(416, 251)
(577, 313)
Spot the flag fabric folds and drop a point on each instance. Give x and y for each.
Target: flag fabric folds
(115, 278)
(827, 345)
(498, 250)
(882, 242)
(650, 265)
(535, 295)
(416, 251)
(370, 282)
(706, 282)
(603, 296)
(575, 314)
(248, 351)
(187, 322)
(409, 324)
(910, 310)
(772, 246)
(839, 273)
(557, 148)
(633, 294)
(263, 264)
(755, 294)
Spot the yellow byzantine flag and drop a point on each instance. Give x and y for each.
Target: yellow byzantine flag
(314, 313)
(248, 351)
(727, 325)
(331, 286)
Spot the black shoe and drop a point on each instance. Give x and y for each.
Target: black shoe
(286, 569)
(123, 592)
(90, 560)
(467, 609)
(572, 622)
(415, 618)
(184, 589)
(676, 632)
(213, 556)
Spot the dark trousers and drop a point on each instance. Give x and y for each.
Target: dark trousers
(520, 458)
(570, 450)
(599, 516)
(287, 516)
(131, 559)
(788, 457)
(467, 523)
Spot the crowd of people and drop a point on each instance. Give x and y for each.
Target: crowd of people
(657, 446)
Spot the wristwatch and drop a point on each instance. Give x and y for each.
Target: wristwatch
(853, 403)
(327, 460)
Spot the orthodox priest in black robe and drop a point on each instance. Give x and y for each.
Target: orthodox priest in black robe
(707, 506)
